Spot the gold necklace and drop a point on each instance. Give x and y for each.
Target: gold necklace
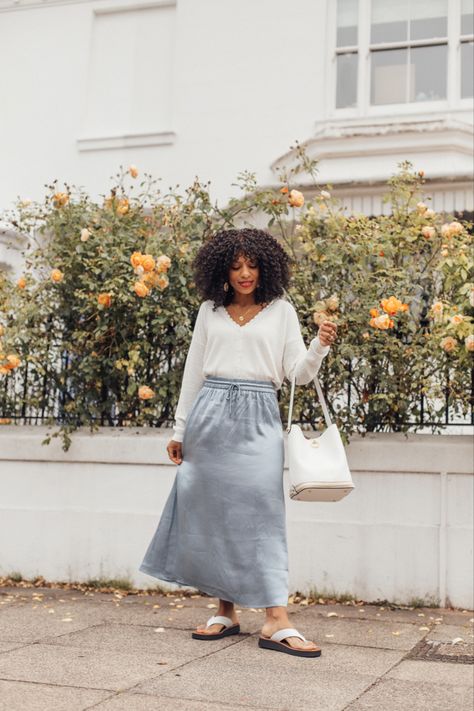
(242, 316)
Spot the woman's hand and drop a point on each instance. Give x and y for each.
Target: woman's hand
(327, 332)
(175, 451)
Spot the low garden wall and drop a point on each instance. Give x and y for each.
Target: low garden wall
(405, 533)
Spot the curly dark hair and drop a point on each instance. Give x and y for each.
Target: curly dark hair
(212, 263)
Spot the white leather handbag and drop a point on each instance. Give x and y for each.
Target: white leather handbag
(318, 468)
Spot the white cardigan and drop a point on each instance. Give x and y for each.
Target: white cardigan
(268, 347)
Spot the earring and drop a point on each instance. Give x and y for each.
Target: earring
(226, 286)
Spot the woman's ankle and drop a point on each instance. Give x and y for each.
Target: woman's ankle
(276, 613)
(225, 607)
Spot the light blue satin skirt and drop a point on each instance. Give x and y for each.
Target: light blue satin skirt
(223, 528)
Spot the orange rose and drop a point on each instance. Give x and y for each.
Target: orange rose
(455, 227)
(133, 170)
(428, 232)
(374, 312)
(57, 275)
(163, 263)
(382, 322)
(148, 263)
(284, 190)
(449, 344)
(104, 299)
(162, 281)
(123, 206)
(21, 283)
(141, 289)
(136, 259)
(391, 305)
(5, 420)
(13, 361)
(296, 199)
(145, 393)
(60, 199)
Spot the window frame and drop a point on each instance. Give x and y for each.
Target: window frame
(364, 108)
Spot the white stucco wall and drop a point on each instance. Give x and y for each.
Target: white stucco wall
(207, 87)
(405, 532)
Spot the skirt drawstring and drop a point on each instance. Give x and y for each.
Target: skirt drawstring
(232, 392)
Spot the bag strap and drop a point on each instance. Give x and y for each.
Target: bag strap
(322, 402)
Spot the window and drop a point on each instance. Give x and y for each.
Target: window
(467, 45)
(347, 56)
(408, 51)
(130, 70)
(399, 52)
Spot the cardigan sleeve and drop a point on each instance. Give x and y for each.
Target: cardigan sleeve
(192, 375)
(305, 363)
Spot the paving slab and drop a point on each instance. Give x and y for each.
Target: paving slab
(83, 666)
(248, 675)
(396, 694)
(355, 632)
(68, 650)
(423, 615)
(436, 672)
(448, 633)
(142, 702)
(23, 696)
(171, 646)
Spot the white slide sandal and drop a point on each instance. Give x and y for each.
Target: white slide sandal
(230, 627)
(276, 642)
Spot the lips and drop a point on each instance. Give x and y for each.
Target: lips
(245, 283)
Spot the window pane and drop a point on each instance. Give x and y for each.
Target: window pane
(347, 15)
(467, 18)
(467, 62)
(389, 20)
(346, 87)
(428, 18)
(427, 72)
(389, 76)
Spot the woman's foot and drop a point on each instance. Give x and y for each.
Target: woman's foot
(279, 621)
(225, 608)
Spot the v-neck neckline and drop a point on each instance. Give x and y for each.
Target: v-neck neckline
(227, 314)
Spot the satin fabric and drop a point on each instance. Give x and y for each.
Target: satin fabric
(223, 527)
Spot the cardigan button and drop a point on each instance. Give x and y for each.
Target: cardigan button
(314, 442)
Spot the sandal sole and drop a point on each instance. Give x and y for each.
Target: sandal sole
(282, 647)
(235, 629)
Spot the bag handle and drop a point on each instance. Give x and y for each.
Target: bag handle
(322, 401)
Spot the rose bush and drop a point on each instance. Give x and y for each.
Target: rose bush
(96, 329)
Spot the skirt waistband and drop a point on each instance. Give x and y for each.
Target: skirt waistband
(216, 381)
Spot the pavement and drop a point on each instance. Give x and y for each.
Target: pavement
(72, 650)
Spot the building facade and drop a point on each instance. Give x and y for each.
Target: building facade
(213, 87)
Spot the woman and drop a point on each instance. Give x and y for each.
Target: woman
(222, 529)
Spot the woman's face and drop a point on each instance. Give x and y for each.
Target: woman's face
(243, 274)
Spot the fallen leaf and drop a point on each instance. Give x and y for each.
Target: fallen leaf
(211, 604)
(329, 635)
(159, 629)
(332, 614)
(424, 629)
